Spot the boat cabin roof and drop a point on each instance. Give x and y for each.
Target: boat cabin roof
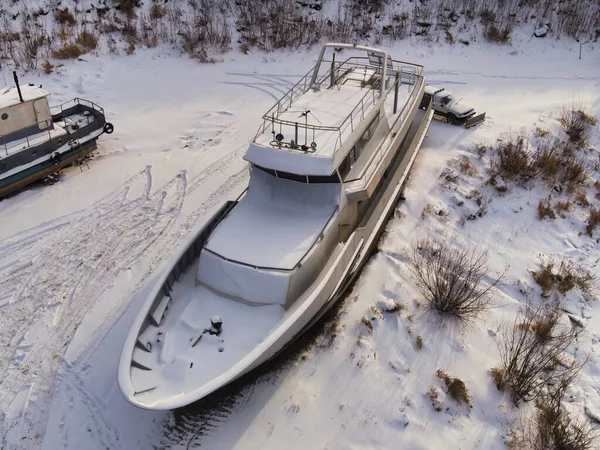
(10, 96)
(311, 129)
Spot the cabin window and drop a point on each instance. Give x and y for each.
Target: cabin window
(358, 148)
(292, 176)
(4, 116)
(333, 178)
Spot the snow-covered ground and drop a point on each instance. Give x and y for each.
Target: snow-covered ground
(77, 258)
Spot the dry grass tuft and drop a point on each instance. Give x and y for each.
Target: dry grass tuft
(511, 158)
(69, 50)
(64, 17)
(87, 40)
(545, 210)
(577, 122)
(569, 275)
(419, 342)
(367, 323)
(157, 11)
(48, 67)
(593, 221)
(456, 387)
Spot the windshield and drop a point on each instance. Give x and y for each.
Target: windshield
(447, 99)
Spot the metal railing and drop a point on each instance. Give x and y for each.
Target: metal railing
(408, 105)
(407, 74)
(45, 126)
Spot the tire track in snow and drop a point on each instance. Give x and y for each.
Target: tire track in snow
(82, 265)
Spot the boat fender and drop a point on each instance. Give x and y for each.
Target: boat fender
(108, 128)
(55, 158)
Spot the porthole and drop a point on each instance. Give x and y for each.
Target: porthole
(4, 116)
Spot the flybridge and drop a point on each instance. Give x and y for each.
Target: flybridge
(329, 109)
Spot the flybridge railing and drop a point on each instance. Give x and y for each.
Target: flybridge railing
(45, 126)
(406, 73)
(74, 102)
(378, 155)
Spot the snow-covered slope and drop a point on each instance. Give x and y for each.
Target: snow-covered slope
(78, 257)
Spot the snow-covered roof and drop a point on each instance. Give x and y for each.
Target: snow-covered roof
(431, 90)
(10, 96)
(276, 223)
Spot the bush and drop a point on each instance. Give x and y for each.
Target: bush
(568, 276)
(556, 162)
(497, 34)
(545, 210)
(577, 122)
(87, 40)
(456, 387)
(511, 158)
(157, 12)
(48, 67)
(450, 279)
(64, 17)
(552, 427)
(593, 221)
(533, 352)
(69, 50)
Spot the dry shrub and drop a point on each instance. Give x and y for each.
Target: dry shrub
(533, 352)
(581, 199)
(552, 427)
(500, 34)
(434, 397)
(64, 33)
(511, 158)
(450, 37)
(367, 323)
(450, 279)
(465, 167)
(577, 122)
(130, 48)
(48, 67)
(593, 221)
(541, 132)
(567, 276)
(69, 50)
(127, 7)
(419, 342)
(87, 40)
(565, 206)
(456, 387)
(64, 17)
(545, 210)
(556, 162)
(157, 11)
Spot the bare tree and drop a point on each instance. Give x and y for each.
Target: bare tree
(533, 352)
(451, 279)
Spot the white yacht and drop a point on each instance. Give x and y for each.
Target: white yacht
(326, 170)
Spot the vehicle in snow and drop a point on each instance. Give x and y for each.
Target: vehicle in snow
(326, 170)
(37, 140)
(446, 106)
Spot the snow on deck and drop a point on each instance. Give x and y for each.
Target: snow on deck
(329, 108)
(177, 366)
(10, 96)
(276, 223)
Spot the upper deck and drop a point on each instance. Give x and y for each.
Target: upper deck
(319, 119)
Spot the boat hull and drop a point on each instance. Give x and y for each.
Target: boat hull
(320, 297)
(45, 168)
